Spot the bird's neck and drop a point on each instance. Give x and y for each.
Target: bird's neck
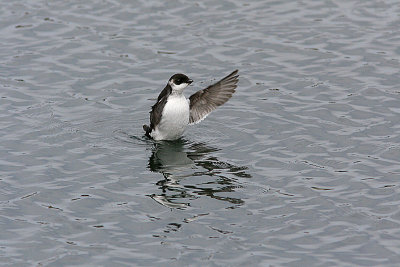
(177, 92)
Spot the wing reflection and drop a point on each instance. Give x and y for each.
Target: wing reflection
(177, 160)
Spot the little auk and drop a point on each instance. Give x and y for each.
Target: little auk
(173, 112)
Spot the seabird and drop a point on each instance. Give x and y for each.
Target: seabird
(173, 111)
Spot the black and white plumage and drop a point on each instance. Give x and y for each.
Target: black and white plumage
(173, 112)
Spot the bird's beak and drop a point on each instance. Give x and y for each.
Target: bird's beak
(190, 81)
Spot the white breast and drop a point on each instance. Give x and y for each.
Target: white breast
(175, 118)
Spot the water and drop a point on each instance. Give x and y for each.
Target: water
(300, 168)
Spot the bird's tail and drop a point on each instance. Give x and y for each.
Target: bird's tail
(147, 129)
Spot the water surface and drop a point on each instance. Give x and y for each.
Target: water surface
(300, 168)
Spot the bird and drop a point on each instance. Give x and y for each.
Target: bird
(173, 112)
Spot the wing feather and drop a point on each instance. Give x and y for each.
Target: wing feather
(203, 102)
(156, 110)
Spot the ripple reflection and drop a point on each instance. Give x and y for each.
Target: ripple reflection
(181, 161)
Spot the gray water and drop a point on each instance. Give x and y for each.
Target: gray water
(300, 168)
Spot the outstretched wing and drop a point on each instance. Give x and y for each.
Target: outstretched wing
(204, 101)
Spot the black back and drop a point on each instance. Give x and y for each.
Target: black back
(157, 108)
(165, 92)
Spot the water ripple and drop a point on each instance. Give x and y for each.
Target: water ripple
(299, 168)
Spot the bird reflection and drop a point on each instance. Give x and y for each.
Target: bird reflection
(180, 159)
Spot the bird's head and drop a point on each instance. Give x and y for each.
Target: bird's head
(179, 81)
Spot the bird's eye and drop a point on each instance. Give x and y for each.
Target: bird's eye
(178, 81)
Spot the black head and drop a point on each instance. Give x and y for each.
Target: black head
(179, 79)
